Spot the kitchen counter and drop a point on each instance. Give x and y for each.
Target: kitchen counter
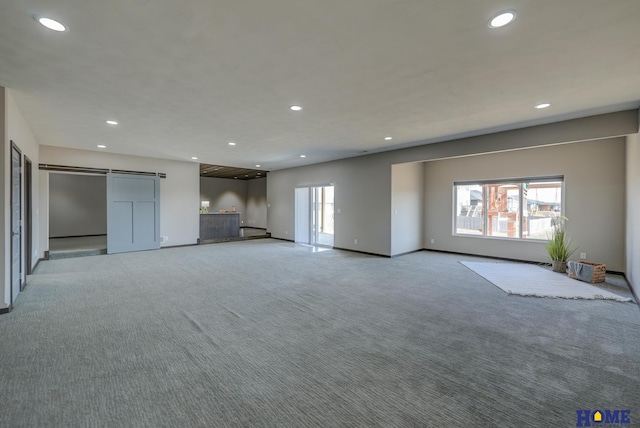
(219, 225)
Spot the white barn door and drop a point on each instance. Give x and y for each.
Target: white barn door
(133, 213)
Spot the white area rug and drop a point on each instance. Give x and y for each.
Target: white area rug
(530, 280)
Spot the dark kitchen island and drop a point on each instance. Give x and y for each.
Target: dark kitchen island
(219, 226)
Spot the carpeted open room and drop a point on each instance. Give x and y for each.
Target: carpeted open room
(269, 333)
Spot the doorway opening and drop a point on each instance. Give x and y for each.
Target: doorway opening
(77, 215)
(113, 210)
(16, 223)
(28, 202)
(314, 215)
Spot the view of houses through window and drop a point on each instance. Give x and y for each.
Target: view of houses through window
(520, 209)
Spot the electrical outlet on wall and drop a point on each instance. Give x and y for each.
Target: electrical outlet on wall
(355, 241)
(583, 256)
(433, 241)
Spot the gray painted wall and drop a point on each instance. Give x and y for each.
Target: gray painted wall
(223, 193)
(593, 198)
(362, 196)
(78, 205)
(407, 207)
(257, 203)
(363, 184)
(249, 197)
(588, 128)
(633, 212)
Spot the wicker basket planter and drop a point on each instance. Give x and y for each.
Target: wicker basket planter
(587, 271)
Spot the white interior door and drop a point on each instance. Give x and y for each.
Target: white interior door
(302, 215)
(16, 223)
(133, 213)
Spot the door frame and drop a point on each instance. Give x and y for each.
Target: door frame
(312, 237)
(298, 216)
(28, 199)
(317, 215)
(15, 147)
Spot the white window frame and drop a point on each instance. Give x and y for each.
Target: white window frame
(520, 181)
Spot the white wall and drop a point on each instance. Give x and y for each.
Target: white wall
(78, 205)
(633, 212)
(593, 198)
(179, 196)
(407, 207)
(223, 194)
(257, 203)
(15, 129)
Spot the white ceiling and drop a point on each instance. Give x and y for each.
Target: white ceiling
(184, 78)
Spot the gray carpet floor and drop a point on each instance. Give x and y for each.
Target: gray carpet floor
(267, 333)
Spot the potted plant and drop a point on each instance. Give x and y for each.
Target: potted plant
(559, 246)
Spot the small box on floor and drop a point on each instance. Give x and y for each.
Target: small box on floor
(587, 271)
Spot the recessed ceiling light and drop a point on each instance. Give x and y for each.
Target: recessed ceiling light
(194, 157)
(303, 156)
(543, 105)
(235, 177)
(259, 173)
(51, 24)
(296, 108)
(100, 146)
(502, 19)
(257, 166)
(388, 138)
(232, 144)
(112, 122)
(246, 175)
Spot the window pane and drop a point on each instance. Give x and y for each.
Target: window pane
(469, 210)
(544, 201)
(503, 210)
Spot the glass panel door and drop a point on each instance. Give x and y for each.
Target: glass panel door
(322, 215)
(302, 215)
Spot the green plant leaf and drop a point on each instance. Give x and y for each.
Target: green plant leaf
(559, 245)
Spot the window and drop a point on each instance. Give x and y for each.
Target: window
(518, 209)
